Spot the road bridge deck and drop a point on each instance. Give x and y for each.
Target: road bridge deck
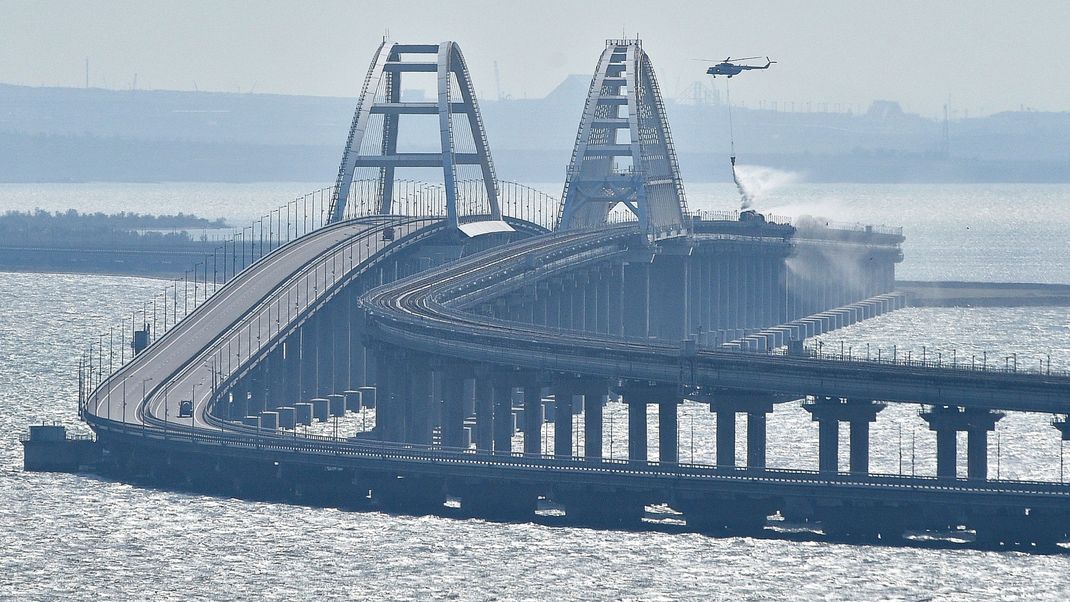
(419, 312)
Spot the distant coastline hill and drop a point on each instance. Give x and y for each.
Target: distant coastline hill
(74, 229)
(118, 243)
(72, 134)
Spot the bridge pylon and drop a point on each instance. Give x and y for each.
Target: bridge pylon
(624, 153)
(462, 140)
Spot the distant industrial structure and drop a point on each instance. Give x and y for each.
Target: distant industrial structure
(468, 342)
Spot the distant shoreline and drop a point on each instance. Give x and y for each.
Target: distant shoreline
(984, 294)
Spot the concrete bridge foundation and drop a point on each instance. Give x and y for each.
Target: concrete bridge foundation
(829, 412)
(946, 421)
(756, 405)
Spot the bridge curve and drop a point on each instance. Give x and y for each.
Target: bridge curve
(431, 313)
(442, 308)
(426, 312)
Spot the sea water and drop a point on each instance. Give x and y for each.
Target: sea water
(81, 537)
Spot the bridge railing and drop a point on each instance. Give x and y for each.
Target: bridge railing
(733, 216)
(867, 353)
(320, 280)
(983, 362)
(252, 438)
(181, 296)
(424, 199)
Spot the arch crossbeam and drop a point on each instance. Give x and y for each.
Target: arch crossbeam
(377, 147)
(624, 153)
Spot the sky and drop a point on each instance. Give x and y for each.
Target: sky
(982, 56)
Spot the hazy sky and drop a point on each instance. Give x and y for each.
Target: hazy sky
(986, 56)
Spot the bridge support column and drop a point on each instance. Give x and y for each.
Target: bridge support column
(239, 400)
(614, 300)
(977, 453)
(418, 403)
(541, 304)
(577, 296)
(307, 374)
(668, 431)
(859, 446)
(592, 426)
(946, 421)
(756, 404)
(946, 453)
(484, 433)
(557, 305)
(276, 379)
(828, 412)
(343, 325)
(324, 351)
(601, 303)
(532, 418)
(594, 400)
(591, 289)
(638, 395)
(636, 295)
(503, 414)
(257, 387)
(564, 390)
(756, 438)
(828, 445)
(292, 370)
(726, 437)
(668, 307)
(453, 408)
(391, 390)
(637, 451)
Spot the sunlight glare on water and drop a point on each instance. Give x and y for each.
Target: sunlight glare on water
(80, 537)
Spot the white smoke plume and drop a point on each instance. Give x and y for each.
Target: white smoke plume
(756, 182)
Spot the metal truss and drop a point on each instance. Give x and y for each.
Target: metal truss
(640, 173)
(381, 95)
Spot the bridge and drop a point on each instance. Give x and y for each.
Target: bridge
(464, 316)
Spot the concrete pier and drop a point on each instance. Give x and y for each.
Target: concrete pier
(320, 409)
(726, 404)
(563, 392)
(367, 396)
(303, 413)
(269, 420)
(336, 405)
(47, 447)
(419, 410)
(504, 422)
(353, 400)
(593, 404)
(637, 448)
(946, 421)
(532, 426)
(829, 412)
(726, 438)
(287, 417)
(756, 439)
(668, 431)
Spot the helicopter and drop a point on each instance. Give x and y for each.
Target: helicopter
(728, 68)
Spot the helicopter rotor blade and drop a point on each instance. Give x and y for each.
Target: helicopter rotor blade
(748, 58)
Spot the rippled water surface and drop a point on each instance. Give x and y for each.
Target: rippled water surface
(80, 537)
